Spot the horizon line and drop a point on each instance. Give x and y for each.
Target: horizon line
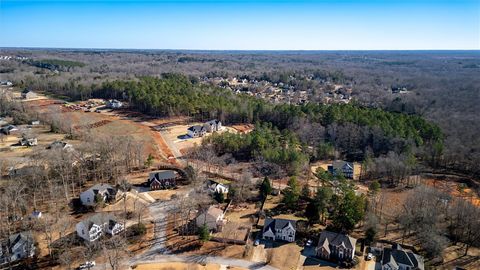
(234, 50)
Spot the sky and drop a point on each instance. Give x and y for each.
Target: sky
(242, 25)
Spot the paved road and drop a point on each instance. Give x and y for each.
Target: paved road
(201, 259)
(159, 212)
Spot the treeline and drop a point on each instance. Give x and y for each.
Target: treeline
(267, 142)
(55, 64)
(348, 131)
(352, 129)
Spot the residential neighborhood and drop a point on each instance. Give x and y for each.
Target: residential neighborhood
(239, 135)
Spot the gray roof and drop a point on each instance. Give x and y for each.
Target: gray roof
(103, 187)
(213, 122)
(340, 164)
(397, 255)
(161, 175)
(99, 219)
(196, 128)
(278, 224)
(22, 237)
(337, 239)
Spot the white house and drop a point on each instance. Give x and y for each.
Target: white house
(212, 218)
(114, 104)
(27, 94)
(28, 141)
(36, 214)
(102, 191)
(213, 125)
(6, 83)
(60, 145)
(196, 131)
(279, 229)
(340, 166)
(16, 247)
(94, 227)
(214, 187)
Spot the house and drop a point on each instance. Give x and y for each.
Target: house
(396, 258)
(27, 94)
(92, 228)
(215, 187)
(36, 214)
(162, 179)
(213, 218)
(16, 247)
(114, 104)
(28, 141)
(196, 131)
(213, 125)
(6, 83)
(9, 129)
(279, 229)
(104, 192)
(60, 145)
(336, 246)
(346, 168)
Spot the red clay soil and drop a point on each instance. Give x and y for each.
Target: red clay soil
(452, 188)
(159, 149)
(94, 125)
(246, 128)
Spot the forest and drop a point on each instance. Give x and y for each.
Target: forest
(443, 88)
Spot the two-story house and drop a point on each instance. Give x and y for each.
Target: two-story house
(212, 218)
(215, 187)
(343, 167)
(92, 228)
(336, 246)
(213, 125)
(396, 258)
(104, 192)
(17, 247)
(196, 131)
(279, 229)
(162, 179)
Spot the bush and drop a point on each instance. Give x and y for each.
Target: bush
(139, 229)
(204, 234)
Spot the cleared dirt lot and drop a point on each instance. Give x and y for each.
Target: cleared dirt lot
(12, 154)
(176, 135)
(109, 124)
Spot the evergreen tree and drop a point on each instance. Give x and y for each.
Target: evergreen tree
(291, 193)
(219, 197)
(313, 212)
(265, 188)
(204, 234)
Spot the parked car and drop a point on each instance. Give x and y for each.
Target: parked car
(87, 265)
(257, 242)
(309, 243)
(369, 256)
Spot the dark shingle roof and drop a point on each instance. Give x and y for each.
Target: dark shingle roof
(196, 128)
(337, 239)
(278, 223)
(397, 255)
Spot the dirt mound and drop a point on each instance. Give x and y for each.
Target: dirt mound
(94, 125)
